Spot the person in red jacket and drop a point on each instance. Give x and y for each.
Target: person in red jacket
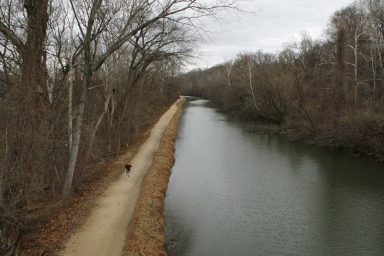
(128, 167)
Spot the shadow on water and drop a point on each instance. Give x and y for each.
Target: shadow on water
(233, 192)
(178, 238)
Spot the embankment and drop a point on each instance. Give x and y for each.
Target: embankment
(359, 136)
(50, 237)
(360, 140)
(146, 235)
(105, 230)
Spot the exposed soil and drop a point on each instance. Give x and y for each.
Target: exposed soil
(50, 237)
(146, 233)
(104, 231)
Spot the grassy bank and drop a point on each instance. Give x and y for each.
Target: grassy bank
(146, 231)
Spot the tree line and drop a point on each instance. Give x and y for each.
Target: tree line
(328, 91)
(78, 80)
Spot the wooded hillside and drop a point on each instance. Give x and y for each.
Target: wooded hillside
(79, 79)
(328, 91)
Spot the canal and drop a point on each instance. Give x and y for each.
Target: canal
(233, 192)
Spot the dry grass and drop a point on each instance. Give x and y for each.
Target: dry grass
(146, 235)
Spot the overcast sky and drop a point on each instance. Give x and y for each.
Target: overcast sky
(269, 26)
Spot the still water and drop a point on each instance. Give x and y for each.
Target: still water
(233, 192)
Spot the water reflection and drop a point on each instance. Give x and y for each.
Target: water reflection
(179, 237)
(236, 193)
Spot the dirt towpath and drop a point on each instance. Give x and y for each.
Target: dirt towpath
(104, 232)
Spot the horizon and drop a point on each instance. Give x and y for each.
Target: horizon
(250, 31)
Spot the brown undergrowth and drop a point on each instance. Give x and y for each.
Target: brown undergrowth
(49, 238)
(146, 235)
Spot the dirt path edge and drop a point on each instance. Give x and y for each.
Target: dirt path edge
(105, 230)
(146, 232)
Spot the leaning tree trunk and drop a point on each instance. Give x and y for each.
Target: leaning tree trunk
(76, 138)
(88, 71)
(97, 125)
(250, 85)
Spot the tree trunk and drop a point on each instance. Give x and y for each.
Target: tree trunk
(76, 139)
(250, 84)
(70, 109)
(83, 98)
(374, 71)
(356, 82)
(110, 123)
(97, 125)
(25, 145)
(33, 80)
(340, 60)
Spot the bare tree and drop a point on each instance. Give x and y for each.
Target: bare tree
(357, 32)
(32, 101)
(248, 62)
(374, 15)
(124, 20)
(228, 68)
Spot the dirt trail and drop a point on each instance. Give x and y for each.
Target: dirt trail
(104, 232)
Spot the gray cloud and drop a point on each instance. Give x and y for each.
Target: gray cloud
(267, 25)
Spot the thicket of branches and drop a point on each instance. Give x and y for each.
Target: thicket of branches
(78, 80)
(330, 90)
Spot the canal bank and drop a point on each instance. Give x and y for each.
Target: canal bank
(233, 192)
(146, 232)
(362, 140)
(105, 230)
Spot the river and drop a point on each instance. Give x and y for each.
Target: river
(233, 192)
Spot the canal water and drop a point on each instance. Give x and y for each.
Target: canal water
(233, 192)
